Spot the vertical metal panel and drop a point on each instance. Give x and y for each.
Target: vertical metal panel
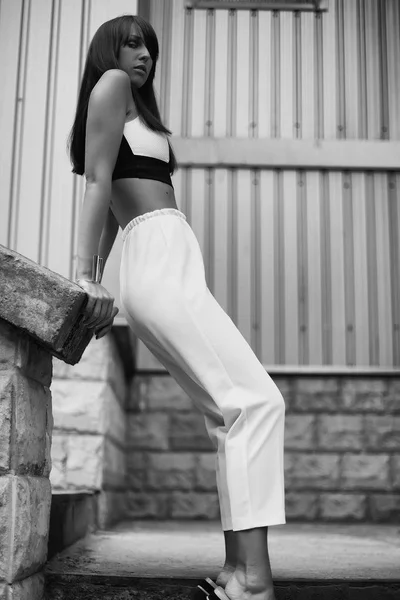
(290, 272)
(329, 72)
(33, 130)
(394, 234)
(337, 271)
(268, 235)
(12, 17)
(326, 271)
(351, 68)
(242, 69)
(221, 209)
(348, 266)
(373, 325)
(279, 268)
(199, 73)
(174, 120)
(314, 258)
(256, 256)
(393, 56)
(243, 236)
(287, 76)
(265, 89)
(221, 73)
(362, 72)
(372, 68)
(302, 269)
(384, 308)
(309, 111)
(361, 321)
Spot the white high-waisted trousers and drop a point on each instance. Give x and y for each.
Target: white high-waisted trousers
(170, 308)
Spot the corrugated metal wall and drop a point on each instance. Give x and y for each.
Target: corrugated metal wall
(43, 45)
(305, 262)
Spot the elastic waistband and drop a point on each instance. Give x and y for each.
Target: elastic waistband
(154, 213)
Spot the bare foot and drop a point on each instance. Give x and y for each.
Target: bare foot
(237, 588)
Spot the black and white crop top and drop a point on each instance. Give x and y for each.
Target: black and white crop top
(143, 153)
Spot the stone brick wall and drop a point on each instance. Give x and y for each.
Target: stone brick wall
(342, 450)
(89, 451)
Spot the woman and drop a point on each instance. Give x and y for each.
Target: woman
(119, 143)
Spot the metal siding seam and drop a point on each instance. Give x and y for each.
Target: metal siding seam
(210, 226)
(253, 103)
(348, 267)
(77, 186)
(187, 72)
(166, 59)
(209, 91)
(372, 270)
(256, 264)
(18, 125)
(393, 197)
(275, 83)
(297, 76)
(362, 72)
(302, 254)
(319, 78)
(45, 205)
(187, 186)
(232, 245)
(326, 274)
(383, 71)
(340, 77)
(279, 279)
(232, 67)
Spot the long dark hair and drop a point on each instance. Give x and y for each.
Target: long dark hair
(103, 55)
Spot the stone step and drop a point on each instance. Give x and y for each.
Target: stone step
(154, 560)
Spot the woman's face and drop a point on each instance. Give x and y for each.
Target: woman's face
(135, 59)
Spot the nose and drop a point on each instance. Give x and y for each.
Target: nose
(144, 54)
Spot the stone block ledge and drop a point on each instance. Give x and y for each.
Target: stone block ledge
(43, 304)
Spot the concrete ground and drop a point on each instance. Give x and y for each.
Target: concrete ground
(193, 550)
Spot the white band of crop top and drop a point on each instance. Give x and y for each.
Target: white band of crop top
(145, 142)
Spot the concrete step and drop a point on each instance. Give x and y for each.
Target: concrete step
(154, 560)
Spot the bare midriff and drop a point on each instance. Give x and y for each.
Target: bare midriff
(133, 197)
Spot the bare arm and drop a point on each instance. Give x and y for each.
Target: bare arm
(104, 128)
(105, 122)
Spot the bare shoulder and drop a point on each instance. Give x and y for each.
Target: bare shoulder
(113, 87)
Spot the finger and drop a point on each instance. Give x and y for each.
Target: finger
(92, 318)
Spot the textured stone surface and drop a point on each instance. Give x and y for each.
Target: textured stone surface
(205, 477)
(88, 407)
(147, 505)
(396, 471)
(285, 386)
(114, 465)
(188, 432)
(320, 471)
(171, 471)
(112, 506)
(343, 506)
(382, 432)
(336, 432)
(17, 349)
(364, 394)
(31, 588)
(193, 505)
(59, 454)
(27, 403)
(23, 539)
(148, 431)
(157, 393)
(301, 505)
(43, 304)
(392, 401)
(316, 394)
(365, 471)
(84, 469)
(299, 431)
(100, 362)
(385, 507)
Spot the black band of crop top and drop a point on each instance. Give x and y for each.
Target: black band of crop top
(142, 167)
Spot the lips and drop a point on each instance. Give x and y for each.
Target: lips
(141, 68)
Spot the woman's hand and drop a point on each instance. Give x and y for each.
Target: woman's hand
(99, 310)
